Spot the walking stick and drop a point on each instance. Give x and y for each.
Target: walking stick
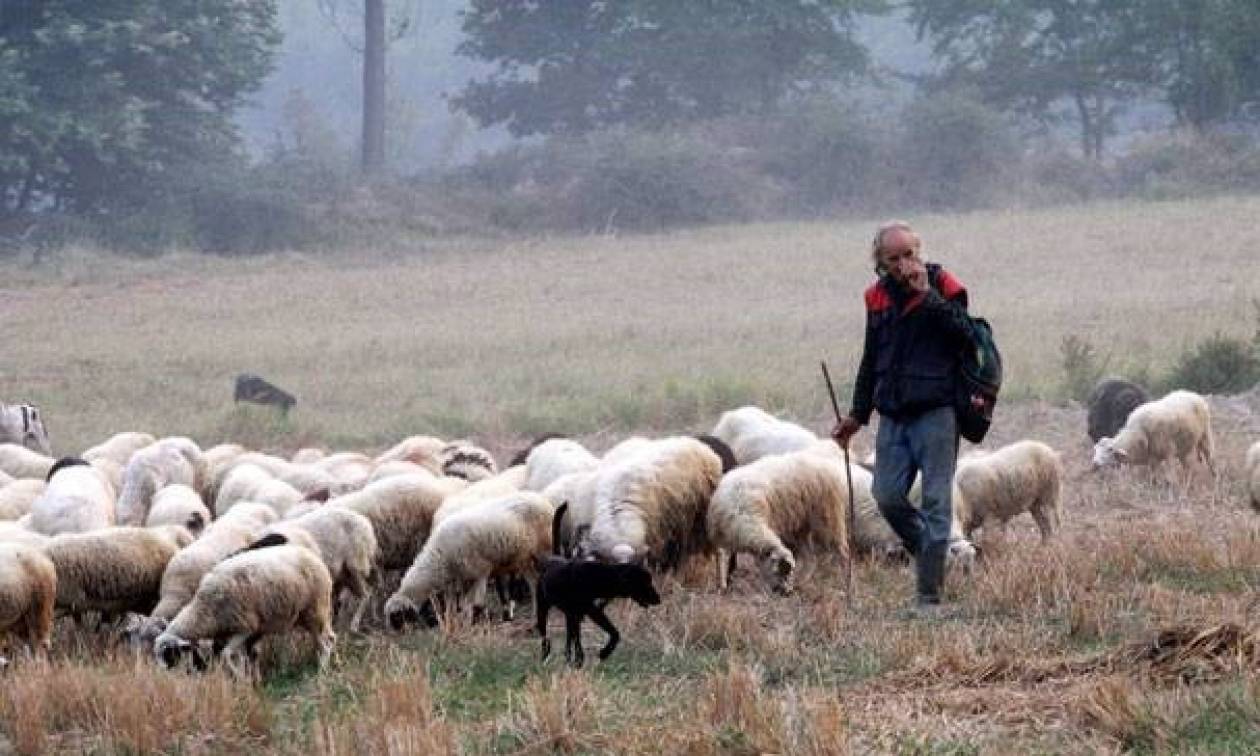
(848, 475)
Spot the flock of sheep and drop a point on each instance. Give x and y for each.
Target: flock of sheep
(197, 550)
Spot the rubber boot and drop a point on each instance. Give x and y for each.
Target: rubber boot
(930, 573)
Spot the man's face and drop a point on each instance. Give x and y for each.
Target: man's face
(899, 255)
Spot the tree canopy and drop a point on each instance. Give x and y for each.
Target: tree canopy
(101, 99)
(569, 66)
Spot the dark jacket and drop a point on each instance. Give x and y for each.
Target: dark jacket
(913, 343)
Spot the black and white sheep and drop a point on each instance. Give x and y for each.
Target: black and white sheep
(22, 424)
(77, 499)
(466, 460)
(1178, 426)
(258, 592)
(179, 504)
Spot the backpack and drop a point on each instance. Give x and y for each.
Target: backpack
(979, 380)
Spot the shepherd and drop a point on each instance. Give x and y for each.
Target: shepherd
(917, 328)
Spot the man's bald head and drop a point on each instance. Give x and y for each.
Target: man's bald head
(894, 246)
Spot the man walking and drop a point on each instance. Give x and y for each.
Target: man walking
(916, 330)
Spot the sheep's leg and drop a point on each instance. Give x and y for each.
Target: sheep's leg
(573, 652)
(233, 656)
(478, 596)
(599, 618)
(1043, 519)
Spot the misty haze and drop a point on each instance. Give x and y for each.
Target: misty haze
(348, 338)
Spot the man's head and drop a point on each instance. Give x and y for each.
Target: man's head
(895, 250)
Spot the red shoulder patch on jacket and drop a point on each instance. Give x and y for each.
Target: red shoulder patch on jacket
(877, 298)
(950, 285)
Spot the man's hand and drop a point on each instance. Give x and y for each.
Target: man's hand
(845, 429)
(916, 276)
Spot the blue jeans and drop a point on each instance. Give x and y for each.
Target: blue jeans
(927, 443)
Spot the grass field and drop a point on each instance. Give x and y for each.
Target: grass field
(1049, 649)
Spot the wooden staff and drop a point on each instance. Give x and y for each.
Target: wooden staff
(848, 475)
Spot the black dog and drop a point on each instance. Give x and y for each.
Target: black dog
(582, 589)
(252, 388)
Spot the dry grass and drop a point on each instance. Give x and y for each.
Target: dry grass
(1050, 648)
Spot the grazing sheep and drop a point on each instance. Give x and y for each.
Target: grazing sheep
(248, 482)
(555, 458)
(1253, 475)
(401, 511)
(115, 570)
(625, 449)
(1025, 476)
(753, 433)
(78, 499)
(577, 490)
(111, 470)
(28, 594)
(463, 459)
(496, 537)
(346, 542)
(23, 425)
(219, 458)
(522, 456)
(16, 497)
(654, 504)
(119, 447)
(254, 389)
(1110, 404)
(308, 455)
(721, 449)
(227, 535)
(259, 592)
(781, 502)
(425, 451)
(179, 505)
(164, 463)
(307, 479)
(582, 589)
(504, 484)
(1178, 425)
(19, 462)
(350, 469)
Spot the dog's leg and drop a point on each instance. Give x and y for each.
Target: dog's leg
(573, 652)
(541, 607)
(597, 615)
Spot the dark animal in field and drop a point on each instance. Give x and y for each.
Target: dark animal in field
(1110, 403)
(256, 390)
(582, 589)
(721, 449)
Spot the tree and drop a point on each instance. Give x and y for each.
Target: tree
(102, 100)
(1208, 56)
(1037, 55)
(570, 66)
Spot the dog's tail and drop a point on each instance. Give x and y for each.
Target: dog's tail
(556, 519)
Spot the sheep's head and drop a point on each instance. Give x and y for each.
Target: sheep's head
(635, 582)
(1107, 454)
(777, 568)
(963, 554)
(401, 612)
(168, 649)
(142, 632)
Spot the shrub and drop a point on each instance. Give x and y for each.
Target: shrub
(1187, 163)
(1082, 368)
(1219, 364)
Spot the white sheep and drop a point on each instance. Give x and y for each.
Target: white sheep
(1025, 476)
(248, 482)
(753, 433)
(307, 455)
(1177, 426)
(401, 511)
(167, 462)
(425, 451)
(346, 542)
(179, 504)
(625, 449)
(77, 499)
(498, 486)
(554, 459)
(12, 532)
(16, 497)
(111, 470)
(114, 570)
(1253, 475)
(654, 504)
(307, 479)
(351, 469)
(776, 505)
(5, 479)
(28, 594)
(255, 593)
(20, 462)
(578, 491)
(494, 538)
(463, 459)
(119, 447)
(227, 535)
(22, 424)
(398, 467)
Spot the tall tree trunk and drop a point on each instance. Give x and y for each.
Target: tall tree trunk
(373, 87)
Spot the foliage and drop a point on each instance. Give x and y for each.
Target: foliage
(571, 66)
(106, 100)
(1188, 163)
(1082, 367)
(1219, 364)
